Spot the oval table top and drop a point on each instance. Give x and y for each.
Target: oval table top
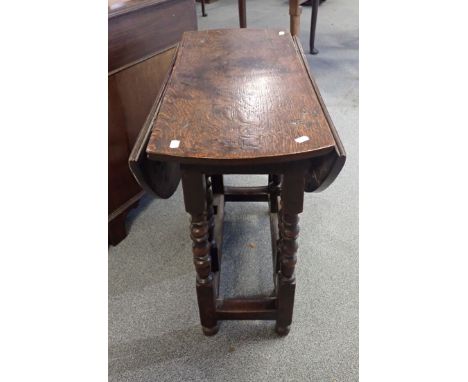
(239, 96)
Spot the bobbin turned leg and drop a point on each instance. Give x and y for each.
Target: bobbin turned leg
(194, 187)
(292, 195)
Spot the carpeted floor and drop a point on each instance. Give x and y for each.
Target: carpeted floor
(154, 331)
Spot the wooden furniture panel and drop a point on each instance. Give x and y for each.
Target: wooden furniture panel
(142, 38)
(121, 185)
(143, 28)
(138, 87)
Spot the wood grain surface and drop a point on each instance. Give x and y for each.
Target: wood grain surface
(138, 87)
(239, 96)
(142, 36)
(159, 179)
(139, 29)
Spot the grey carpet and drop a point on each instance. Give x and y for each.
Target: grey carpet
(154, 332)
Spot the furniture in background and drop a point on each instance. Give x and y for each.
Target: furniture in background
(313, 22)
(141, 46)
(258, 111)
(313, 25)
(204, 14)
(203, 2)
(294, 14)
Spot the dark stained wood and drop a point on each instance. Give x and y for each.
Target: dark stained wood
(214, 117)
(247, 309)
(159, 179)
(323, 170)
(117, 230)
(210, 215)
(218, 184)
(131, 93)
(218, 206)
(230, 100)
(138, 63)
(139, 29)
(204, 14)
(138, 87)
(116, 222)
(242, 14)
(194, 186)
(274, 231)
(246, 194)
(120, 182)
(292, 194)
(274, 187)
(313, 26)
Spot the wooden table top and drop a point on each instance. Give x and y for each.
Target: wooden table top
(239, 96)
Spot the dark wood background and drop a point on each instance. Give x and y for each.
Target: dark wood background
(141, 46)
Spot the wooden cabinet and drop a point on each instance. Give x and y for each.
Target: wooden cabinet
(141, 46)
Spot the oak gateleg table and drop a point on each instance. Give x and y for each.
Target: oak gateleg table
(239, 101)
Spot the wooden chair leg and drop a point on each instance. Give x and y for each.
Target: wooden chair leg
(292, 195)
(203, 8)
(194, 187)
(242, 14)
(313, 24)
(294, 17)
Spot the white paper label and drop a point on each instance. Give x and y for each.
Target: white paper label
(174, 144)
(302, 139)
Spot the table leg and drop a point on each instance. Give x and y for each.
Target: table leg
(292, 195)
(211, 226)
(274, 191)
(218, 184)
(294, 17)
(313, 24)
(203, 8)
(194, 187)
(242, 14)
